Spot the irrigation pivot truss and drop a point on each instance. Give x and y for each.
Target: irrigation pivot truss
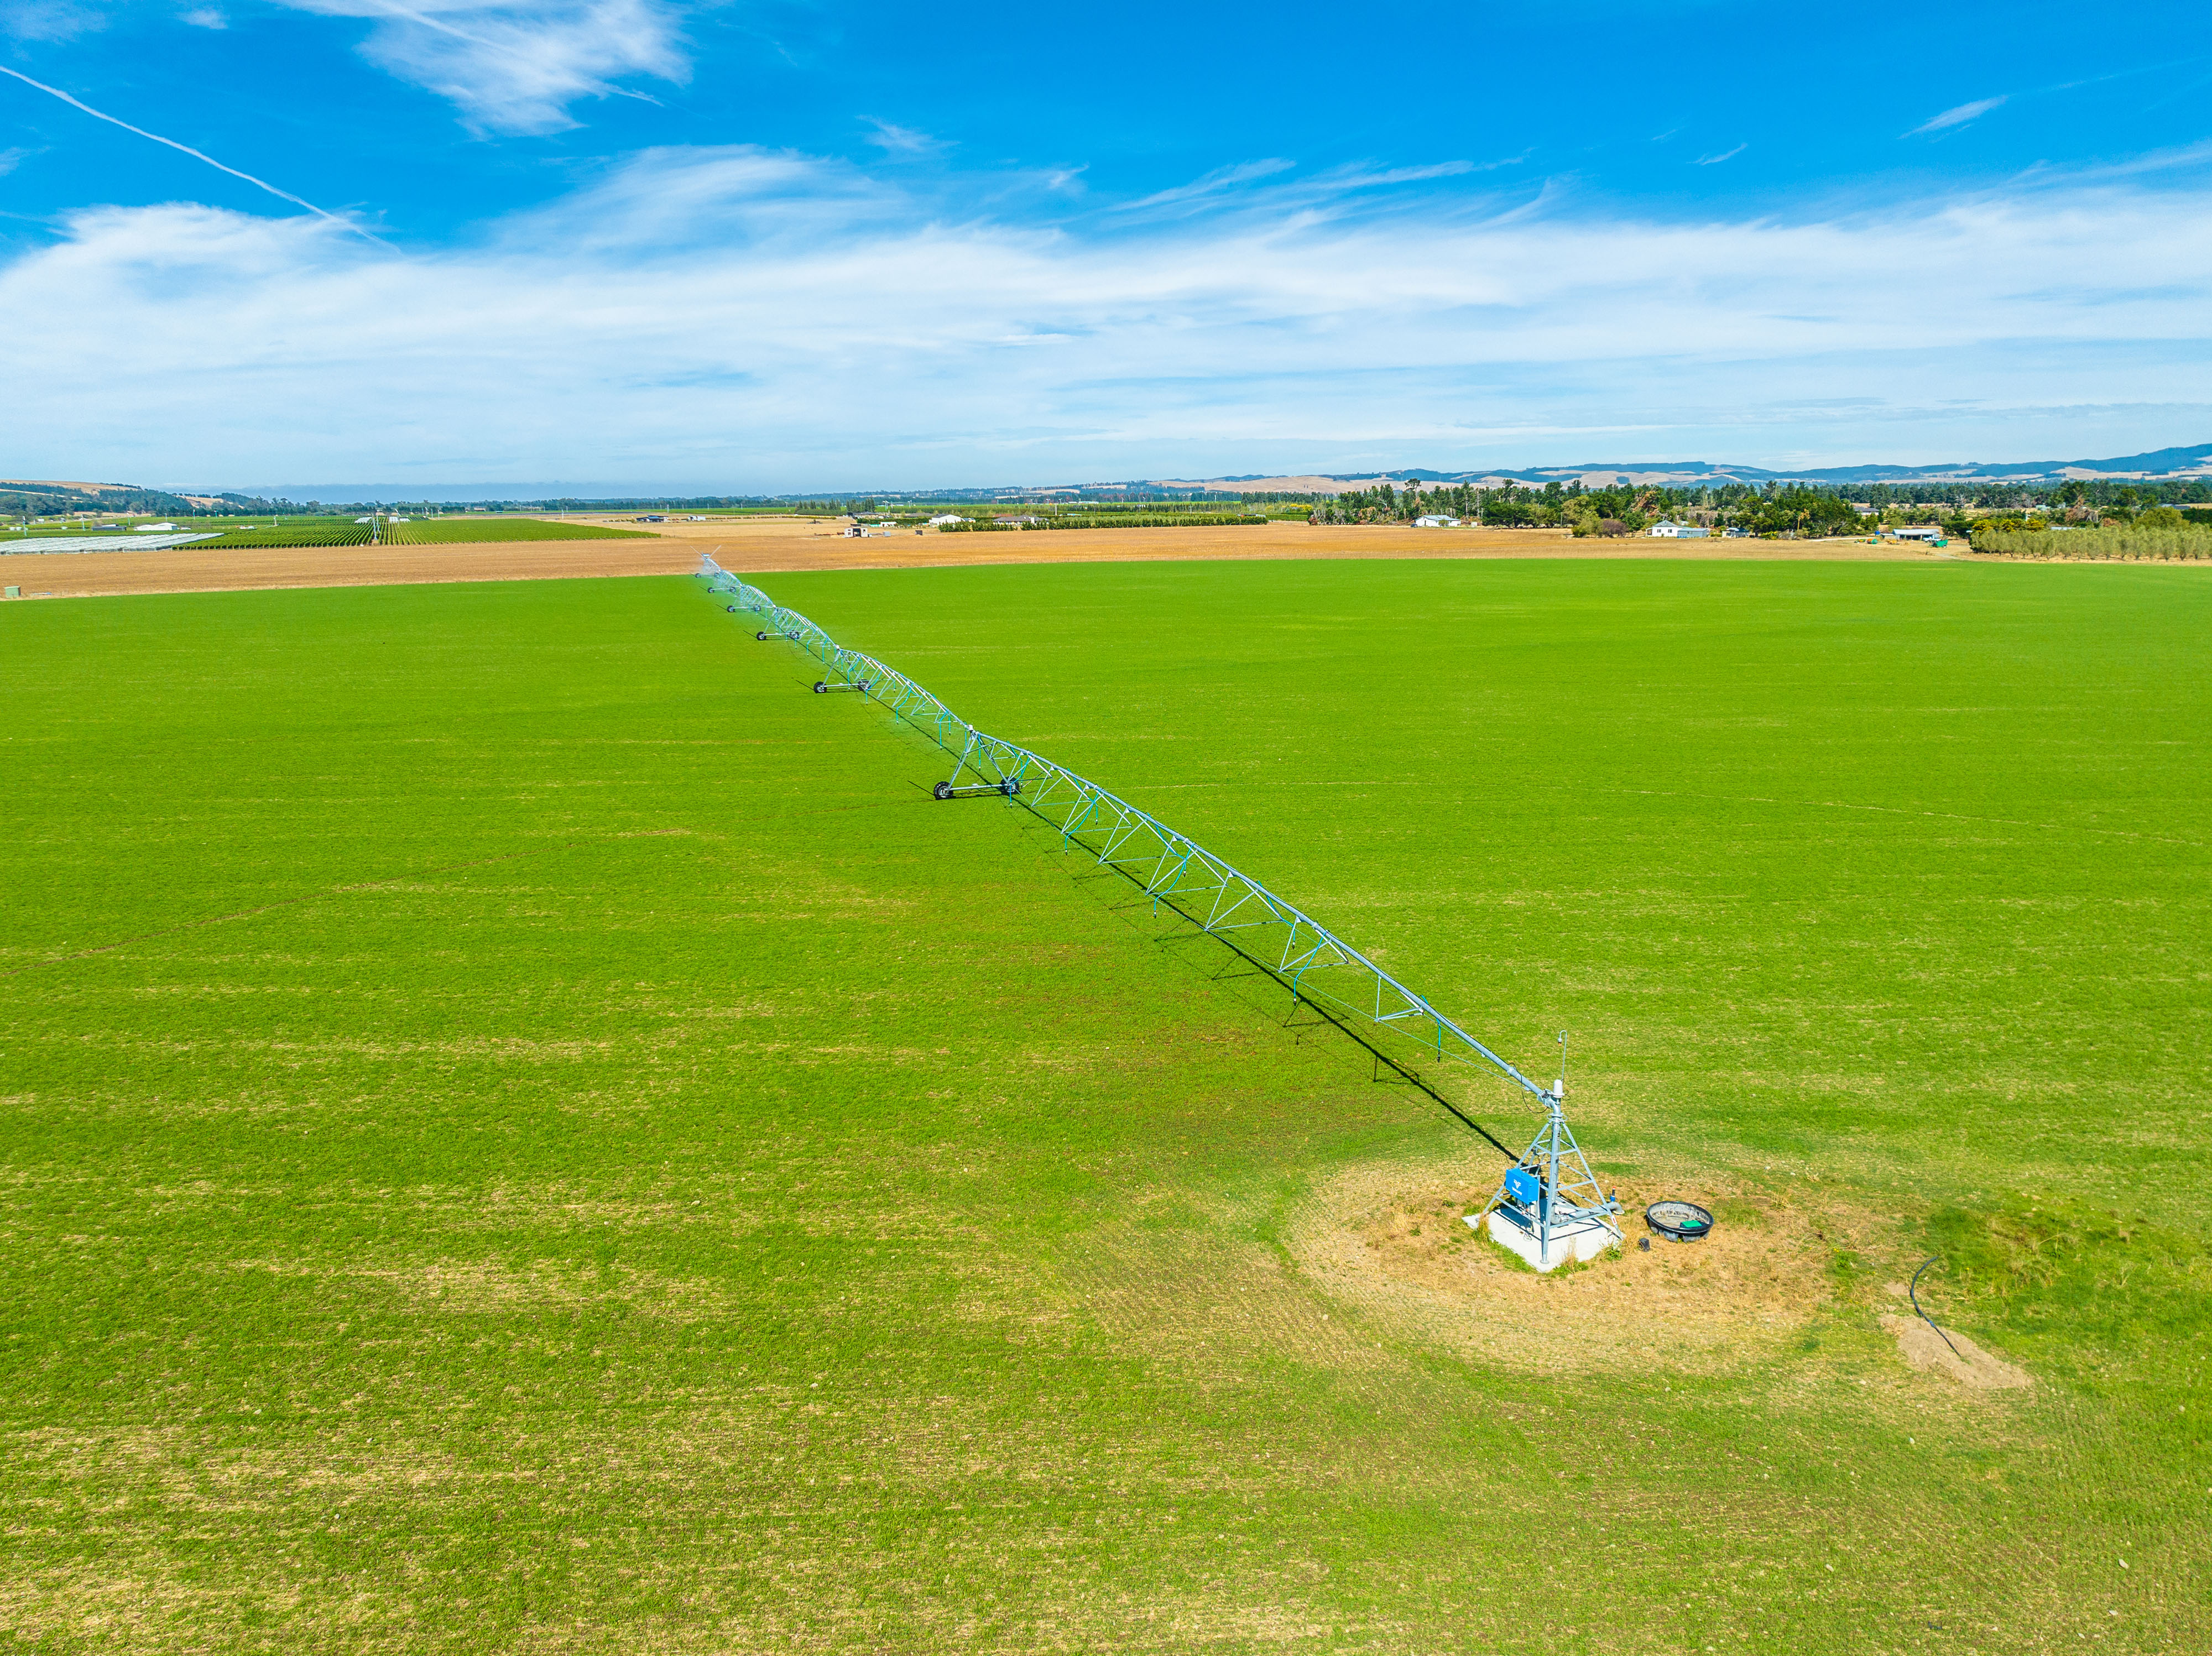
(1223, 901)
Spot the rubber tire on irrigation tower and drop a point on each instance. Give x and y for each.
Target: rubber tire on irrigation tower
(729, 608)
(942, 791)
(820, 689)
(1011, 786)
(1685, 1222)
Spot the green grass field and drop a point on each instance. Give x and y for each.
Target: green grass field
(524, 1129)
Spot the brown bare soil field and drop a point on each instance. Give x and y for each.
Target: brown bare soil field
(765, 547)
(182, 569)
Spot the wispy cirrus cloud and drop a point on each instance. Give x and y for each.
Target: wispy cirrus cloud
(1377, 178)
(1718, 156)
(2187, 158)
(1958, 115)
(51, 20)
(515, 66)
(895, 140)
(772, 319)
(1274, 186)
(76, 103)
(204, 17)
(1218, 182)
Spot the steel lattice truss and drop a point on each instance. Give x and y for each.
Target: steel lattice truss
(1565, 1193)
(1317, 964)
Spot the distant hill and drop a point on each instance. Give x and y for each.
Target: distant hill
(2157, 465)
(40, 496)
(45, 497)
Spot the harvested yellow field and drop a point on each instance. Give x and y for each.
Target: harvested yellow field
(767, 546)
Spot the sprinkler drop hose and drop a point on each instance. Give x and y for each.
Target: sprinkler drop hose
(1913, 1293)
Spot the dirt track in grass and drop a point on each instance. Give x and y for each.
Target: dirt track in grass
(766, 548)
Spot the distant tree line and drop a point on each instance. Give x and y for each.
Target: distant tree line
(2161, 534)
(1772, 508)
(1112, 520)
(2097, 493)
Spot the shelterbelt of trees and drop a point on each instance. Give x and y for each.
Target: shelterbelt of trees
(1601, 511)
(1775, 509)
(2162, 535)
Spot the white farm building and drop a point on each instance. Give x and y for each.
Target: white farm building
(1668, 530)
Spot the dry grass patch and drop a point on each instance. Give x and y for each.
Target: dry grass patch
(1394, 1245)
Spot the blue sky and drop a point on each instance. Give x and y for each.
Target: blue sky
(781, 246)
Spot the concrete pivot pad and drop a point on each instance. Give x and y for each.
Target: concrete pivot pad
(1585, 1241)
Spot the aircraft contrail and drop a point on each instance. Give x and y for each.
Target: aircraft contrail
(258, 184)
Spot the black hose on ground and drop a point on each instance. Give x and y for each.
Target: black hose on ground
(1913, 1293)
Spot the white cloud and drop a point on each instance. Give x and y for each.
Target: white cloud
(1723, 155)
(752, 318)
(2186, 158)
(1368, 177)
(1329, 193)
(12, 159)
(515, 66)
(1957, 116)
(1215, 183)
(896, 140)
(51, 20)
(78, 103)
(204, 17)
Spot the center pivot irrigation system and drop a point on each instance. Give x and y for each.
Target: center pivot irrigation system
(1549, 1197)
